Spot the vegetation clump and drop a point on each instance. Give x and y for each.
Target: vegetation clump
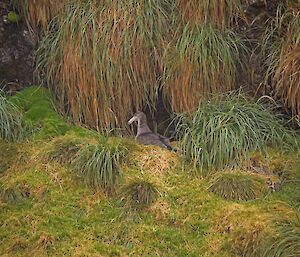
(281, 54)
(220, 13)
(139, 194)
(12, 127)
(100, 165)
(118, 60)
(65, 149)
(204, 61)
(13, 17)
(286, 241)
(39, 13)
(36, 105)
(15, 194)
(222, 132)
(237, 186)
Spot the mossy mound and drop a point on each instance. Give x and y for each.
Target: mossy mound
(13, 17)
(139, 194)
(238, 186)
(36, 103)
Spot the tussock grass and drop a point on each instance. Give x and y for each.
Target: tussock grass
(237, 186)
(65, 149)
(281, 50)
(203, 61)
(286, 242)
(39, 13)
(219, 13)
(103, 60)
(12, 127)
(100, 165)
(222, 132)
(14, 194)
(138, 195)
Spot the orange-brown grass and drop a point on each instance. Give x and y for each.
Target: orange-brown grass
(221, 13)
(155, 160)
(104, 60)
(203, 61)
(282, 45)
(40, 12)
(287, 76)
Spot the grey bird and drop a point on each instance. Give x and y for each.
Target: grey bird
(144, 134)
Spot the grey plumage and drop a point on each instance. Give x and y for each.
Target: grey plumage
(144, 134)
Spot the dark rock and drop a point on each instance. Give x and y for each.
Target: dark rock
(16, 52)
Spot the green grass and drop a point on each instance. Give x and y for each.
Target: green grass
(286, 242)
(100, 165)
(222, 132)
(63, 216)
(12, 126)
(238, 186)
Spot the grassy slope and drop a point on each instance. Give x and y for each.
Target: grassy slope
(63, 216)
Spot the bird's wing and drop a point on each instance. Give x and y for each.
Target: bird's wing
(166, 141)
(154, 139)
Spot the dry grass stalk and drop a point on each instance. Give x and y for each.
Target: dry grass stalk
(202, 62)
(286, 79)
(154, 160)
(221, 13)
(40, 12)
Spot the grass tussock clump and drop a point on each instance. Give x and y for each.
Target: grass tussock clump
(237, 186)
(12, 126)
(65, 149)
(103, 60)
(286, 241)
(14, 194)
(203, 62)
(100, 165)
(138, 195)
(281, 50)
(222, 132)
(220, 13)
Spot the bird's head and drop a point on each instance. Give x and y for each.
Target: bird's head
(137, 116)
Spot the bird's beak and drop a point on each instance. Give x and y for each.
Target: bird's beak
(132, 120)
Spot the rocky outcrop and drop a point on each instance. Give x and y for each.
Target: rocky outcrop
(16, 51)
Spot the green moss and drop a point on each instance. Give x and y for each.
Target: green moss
(36, 103)
(13, 17)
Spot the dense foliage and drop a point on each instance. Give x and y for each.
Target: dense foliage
(223, 131)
